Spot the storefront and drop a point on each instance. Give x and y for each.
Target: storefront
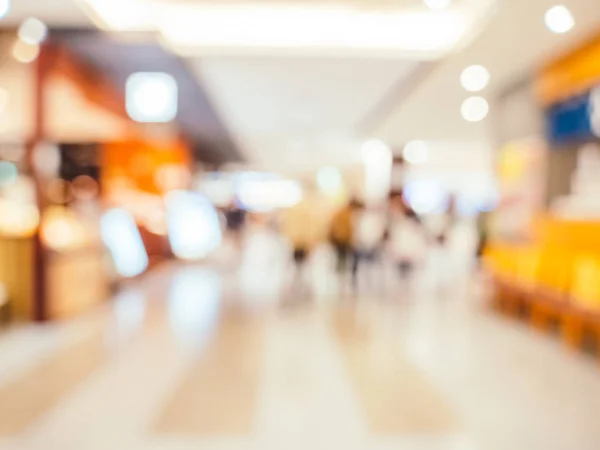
(569, 91)
(551, 278)
(68, 138)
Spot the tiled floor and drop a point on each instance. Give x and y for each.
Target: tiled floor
(205, 357)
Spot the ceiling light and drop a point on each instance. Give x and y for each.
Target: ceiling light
(4, 7)
(416, 152)
(559, 19)
(151, 97)
(475, 109)
(205, 28)
(214, 28)
(437, 4)
(475, 78)
(24, 52)
(33, 31)
(123, 15)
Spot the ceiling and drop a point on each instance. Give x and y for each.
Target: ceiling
(297, 111)
(513, 45)
(288, 108)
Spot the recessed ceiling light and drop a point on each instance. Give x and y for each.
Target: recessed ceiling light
(4, 7)
(416, 152)
(24, 52)
(475, 109)
(437, 4)
(33, 31)
(475, 78)
(151, 97)
(559, 19)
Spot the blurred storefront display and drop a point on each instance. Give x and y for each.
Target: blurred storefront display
(19, 220)
(69, 153)
(569, 89)
(551, 279)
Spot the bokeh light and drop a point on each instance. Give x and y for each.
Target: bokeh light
(475, 78)
(193, 223)
(151, 97)
(24, 52)
(4, 7)
(122, 237)
(33, 31)
(475, 109)
(559, 19)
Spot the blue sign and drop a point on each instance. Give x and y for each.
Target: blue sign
(571, 121)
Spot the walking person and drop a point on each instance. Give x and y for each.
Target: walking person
(341, 233)
(368, 239)
(407, 238)
(298, 226)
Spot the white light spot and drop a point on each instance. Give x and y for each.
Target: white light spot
(4, 8)
(475, 78)
(268, 194)
(24, 52)
(475, 109)
(425, 196)
(33, 31)
(151, 97)
(559, 19)
(122, 237)
(193, 225)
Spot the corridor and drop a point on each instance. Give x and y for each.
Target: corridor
(214, 357)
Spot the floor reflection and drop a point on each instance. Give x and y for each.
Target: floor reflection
(129, 311)
(193, 304)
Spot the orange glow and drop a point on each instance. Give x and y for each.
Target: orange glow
(140, 163)
(570, 75)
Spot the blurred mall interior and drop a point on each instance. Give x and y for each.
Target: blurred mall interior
(299, 224)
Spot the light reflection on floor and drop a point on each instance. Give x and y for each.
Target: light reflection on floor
(193, 304)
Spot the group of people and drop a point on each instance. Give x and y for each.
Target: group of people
(364, 237)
